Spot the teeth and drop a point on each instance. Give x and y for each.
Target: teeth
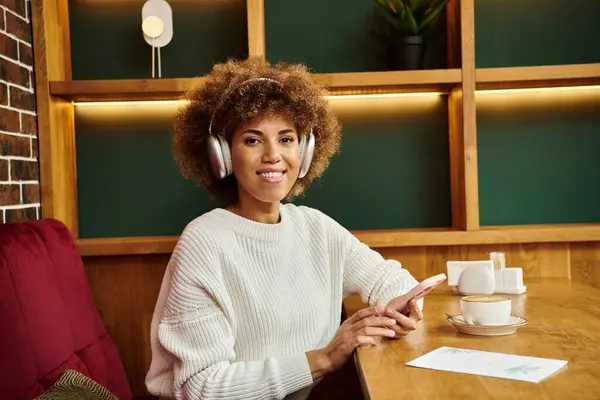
(271, 174)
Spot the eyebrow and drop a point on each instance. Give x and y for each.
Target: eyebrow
(258, 132)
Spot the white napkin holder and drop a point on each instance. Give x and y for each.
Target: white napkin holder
(481, 278)
(509, 281)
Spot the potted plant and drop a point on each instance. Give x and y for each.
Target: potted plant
(408, 21)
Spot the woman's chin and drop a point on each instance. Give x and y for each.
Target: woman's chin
(271, 196)
(272, 199)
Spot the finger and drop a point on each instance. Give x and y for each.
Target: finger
(415, 311)
(365, 312)
(376, 331)
(365, 341)
(374, 321)
(403, 320)
(400, 331)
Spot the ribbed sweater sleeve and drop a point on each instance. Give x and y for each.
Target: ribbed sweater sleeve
(196, 329)
(376, 279)
(366, 272)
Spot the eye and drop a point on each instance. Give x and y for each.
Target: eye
(287, 139)
(251, 140)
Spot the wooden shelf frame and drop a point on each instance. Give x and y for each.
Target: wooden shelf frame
(122, 89)
(377, 238)
(440, 81)
(546, 76)
(56, 92)
(55, 116)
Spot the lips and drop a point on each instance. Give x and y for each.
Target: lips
(271, 176)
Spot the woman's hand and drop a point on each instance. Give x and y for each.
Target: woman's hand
(358, 330)
(406, 317)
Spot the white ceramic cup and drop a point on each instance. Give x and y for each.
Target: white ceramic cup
(486, 310)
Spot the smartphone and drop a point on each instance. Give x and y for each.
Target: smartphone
(421, 289)
(425, 286)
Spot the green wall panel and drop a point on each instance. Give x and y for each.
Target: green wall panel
(107, 40)
(128, 183)
(392, 171)
(393, 168)
(515, 33)
(538, 158)
(336, 36)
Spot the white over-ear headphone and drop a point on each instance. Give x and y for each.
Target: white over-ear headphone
(219, 153)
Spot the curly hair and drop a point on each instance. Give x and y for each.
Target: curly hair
(299, 98)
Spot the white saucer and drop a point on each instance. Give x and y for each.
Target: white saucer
(486, 330)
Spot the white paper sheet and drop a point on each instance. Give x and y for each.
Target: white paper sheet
(499, 365)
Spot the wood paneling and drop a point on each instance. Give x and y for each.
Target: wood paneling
(125, 290)
(585, 263)
(126, 287)
(538, 260)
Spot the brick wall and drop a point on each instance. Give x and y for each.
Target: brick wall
(19, 168)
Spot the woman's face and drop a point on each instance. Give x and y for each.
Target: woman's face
(265, 157)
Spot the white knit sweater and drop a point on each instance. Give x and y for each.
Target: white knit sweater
(241, 303)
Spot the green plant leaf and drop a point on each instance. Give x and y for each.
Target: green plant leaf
(431, 15)
(409, 21)
(384, 5)
(389, 15)
(401, 8)
(403, 18)
(391, 6)
(396, 20)
(412, 23)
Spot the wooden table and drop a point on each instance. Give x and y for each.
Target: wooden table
(564, 323)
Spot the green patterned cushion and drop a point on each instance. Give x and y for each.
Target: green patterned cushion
(73, 385)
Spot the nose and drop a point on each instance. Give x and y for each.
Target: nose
(271, 153)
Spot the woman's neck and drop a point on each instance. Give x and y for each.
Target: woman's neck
(255, 210)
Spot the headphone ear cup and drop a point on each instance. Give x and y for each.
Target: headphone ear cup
(219, 156)
(307, 149)
(226, 156)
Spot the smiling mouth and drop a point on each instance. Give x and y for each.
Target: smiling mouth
(272, 176)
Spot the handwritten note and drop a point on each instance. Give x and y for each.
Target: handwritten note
(499, 365)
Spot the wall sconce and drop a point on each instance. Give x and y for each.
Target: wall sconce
(157, 27)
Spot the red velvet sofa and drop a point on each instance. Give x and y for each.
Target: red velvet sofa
(49, 320)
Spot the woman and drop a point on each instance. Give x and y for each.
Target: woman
(250, 302)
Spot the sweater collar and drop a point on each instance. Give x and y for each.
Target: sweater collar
(248, 228)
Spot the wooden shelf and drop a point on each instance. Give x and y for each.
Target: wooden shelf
(123, 89)
(534, 77)
(378, 238)
(440, 80)
(127, 245)
(433, 80)
(173, 88)
(486, 235)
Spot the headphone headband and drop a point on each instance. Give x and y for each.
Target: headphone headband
(234, 89)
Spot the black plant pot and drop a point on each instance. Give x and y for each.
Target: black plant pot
(406, 52)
